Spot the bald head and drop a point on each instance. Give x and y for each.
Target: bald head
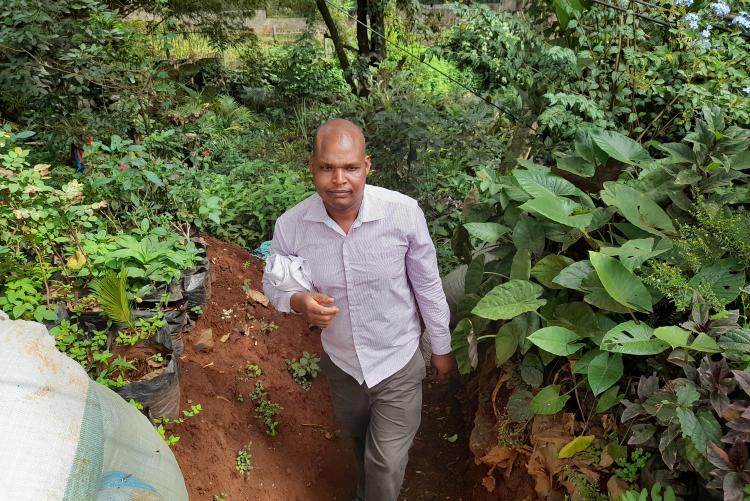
(339, 166)
(339, 133)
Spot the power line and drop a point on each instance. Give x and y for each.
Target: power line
(486, 100)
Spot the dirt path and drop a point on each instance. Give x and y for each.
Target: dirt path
(307, 461)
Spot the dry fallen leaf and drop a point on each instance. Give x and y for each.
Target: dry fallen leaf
(257, 296)
(616, 487)
(489, 483)
(224, 338)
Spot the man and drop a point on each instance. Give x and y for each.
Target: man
(374, 269)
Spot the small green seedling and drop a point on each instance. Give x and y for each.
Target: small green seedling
(244, 460)
(305, 369)
(268, 327)
(265, 410)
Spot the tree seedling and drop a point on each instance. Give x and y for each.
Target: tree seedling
(244, 460)
(305, 369)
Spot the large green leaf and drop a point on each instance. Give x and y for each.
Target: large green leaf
(609, 399)
(464, 346)
(620, 147)
(520, 269)
(572, 276)
(532, 369)
(634, 253)
(510, 299)
(518, 406)
(565, 10)
(487, 232)
(540, 184)
(631, 338)
(677, 337)
(736, 345)
(528, 233)
(638, 208)
(621, 283)
(674, 336)
(549, 267)
(506, 342)
(702, 428)
(598, 296)
(548, 401)
(558, 209)
(722, 278)
(474, 275)
(581, 319)
(604, 370)
(581, 366)
(521, 327)
(577, 165)
(557, 340)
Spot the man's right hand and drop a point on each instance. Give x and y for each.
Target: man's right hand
(314, 307)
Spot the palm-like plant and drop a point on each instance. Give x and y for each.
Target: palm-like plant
(227, 114)
(111, 292)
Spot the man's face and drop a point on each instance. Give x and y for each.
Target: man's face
(339, 168)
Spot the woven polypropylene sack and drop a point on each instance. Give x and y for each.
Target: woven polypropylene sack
(65, 437)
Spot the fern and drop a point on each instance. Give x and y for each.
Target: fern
(111, 292)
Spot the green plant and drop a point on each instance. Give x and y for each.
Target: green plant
(244, 460)
(304, 369)
(655, 494)
(253, 195)
(198, 310)
(268, 327)
(152, 258)
(118, 367)
(265, 410)
(573, 282)
(88, 349)
(163, 425)
(585, 490)
(111, 293)
(629, 470)
(21, 299)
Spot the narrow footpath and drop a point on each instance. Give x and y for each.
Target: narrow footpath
(308, 460)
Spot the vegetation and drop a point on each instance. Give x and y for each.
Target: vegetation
(588, 165)
(305, 369)
(244, 460)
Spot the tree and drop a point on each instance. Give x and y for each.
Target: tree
(371, 45)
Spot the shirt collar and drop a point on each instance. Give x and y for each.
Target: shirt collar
(370, 210)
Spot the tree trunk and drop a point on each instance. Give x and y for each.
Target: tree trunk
(363, 42)
(337, 44)
(377, 25)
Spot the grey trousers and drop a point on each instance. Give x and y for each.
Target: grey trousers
(382, 421)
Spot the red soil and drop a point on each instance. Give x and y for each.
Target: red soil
(307, 461)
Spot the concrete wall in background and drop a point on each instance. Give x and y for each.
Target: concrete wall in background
(263, 25)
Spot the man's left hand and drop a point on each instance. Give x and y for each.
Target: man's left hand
(442, 366)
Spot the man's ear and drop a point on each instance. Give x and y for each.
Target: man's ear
(368, 162)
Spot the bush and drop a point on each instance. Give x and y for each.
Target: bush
(253, 195)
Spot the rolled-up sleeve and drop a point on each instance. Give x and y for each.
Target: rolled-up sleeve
(422, 270)
(280, 246)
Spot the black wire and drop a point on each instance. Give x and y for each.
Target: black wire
(486, 100)
(637, 14)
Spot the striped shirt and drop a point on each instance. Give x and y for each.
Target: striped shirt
(381, 274)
